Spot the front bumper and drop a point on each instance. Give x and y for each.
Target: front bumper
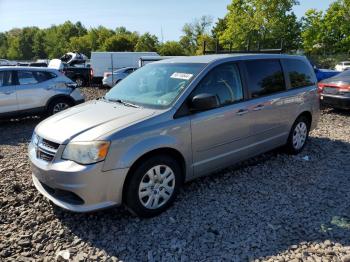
(336, 101)
(78, 188)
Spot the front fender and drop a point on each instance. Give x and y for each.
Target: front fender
(121, 156)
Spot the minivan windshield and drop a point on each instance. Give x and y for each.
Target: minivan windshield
(154, 85)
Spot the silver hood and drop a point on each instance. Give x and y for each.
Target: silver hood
(90, 121)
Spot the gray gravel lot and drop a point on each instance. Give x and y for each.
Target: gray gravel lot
(271, 208)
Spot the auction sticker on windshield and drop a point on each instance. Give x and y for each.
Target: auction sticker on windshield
(183, 76)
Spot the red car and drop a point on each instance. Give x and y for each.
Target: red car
(335, 91)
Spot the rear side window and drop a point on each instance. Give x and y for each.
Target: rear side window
(26, 78)
(265, 77)
(299, 73)
(129, 71)
(6, 78)
(43, 76)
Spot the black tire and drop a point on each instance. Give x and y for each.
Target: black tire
(291, 146)
(52, 107)
(131, 194)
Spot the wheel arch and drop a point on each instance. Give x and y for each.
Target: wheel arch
(306, 114)
(56, 97)
(172, 152)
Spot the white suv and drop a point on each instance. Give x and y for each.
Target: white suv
(30, 90)
(342, 66)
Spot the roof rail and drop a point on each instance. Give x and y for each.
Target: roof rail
(247, 51)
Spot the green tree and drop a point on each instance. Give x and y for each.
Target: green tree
(81, 44)
(312, 28)
(13, 51)
(39, 44)
(147, 43)
(264, 22)
(3, 45)
(171, 48)
(192, 32)
(118, 43)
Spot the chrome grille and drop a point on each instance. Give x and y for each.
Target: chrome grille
(46, 150)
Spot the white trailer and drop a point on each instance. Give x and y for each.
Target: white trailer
(102, 62)
(144, 60)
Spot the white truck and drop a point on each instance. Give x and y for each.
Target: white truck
(144, 60)
(102, 62)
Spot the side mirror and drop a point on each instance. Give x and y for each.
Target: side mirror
(204, 102)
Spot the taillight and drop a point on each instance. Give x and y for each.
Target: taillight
(320, 88)
(91, 72)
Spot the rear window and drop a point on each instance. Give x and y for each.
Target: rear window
(299, 73)
(265, 77)
(33, 77)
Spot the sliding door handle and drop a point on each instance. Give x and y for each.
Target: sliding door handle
(242, 112)
(258, 107)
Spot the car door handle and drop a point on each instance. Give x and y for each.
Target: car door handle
(242, 112)
(258, 107)
(8, 92)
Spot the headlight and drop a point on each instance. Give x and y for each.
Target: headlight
(86, 152)
(35, 139)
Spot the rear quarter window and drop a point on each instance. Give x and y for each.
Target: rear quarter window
(300, 74)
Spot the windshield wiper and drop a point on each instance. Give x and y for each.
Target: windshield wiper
(120, 101)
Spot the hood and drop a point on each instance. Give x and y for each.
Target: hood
(90, 121)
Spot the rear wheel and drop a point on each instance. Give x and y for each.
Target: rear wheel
(298, 135)
(79, 81)
(153, 186)
(58, 105)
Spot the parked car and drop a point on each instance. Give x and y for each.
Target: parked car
(35, 90)
(169, 122)
(335, 91)
(5, 62)
(111, 80)
(322, 74)
(342, 66)
(79, 73)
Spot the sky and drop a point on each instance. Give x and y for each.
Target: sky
(160, 17)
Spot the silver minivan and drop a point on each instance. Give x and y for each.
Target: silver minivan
(169, 122)
(35, 90)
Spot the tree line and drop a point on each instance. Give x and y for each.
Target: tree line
(248, 24)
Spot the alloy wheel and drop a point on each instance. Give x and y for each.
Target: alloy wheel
(299, 135)
(59, 107)
(156, 186)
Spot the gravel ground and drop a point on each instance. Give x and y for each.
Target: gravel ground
(271, 208)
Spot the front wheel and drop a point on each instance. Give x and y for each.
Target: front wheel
(298, 135)
(153, 186)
